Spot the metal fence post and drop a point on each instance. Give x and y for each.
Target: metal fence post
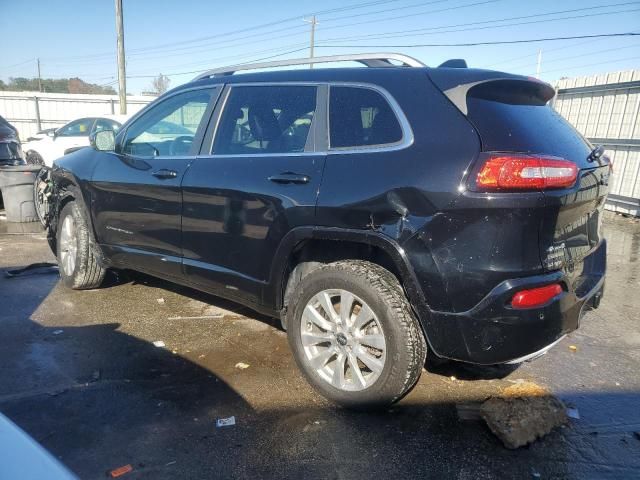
(113, 108)
(37, 105)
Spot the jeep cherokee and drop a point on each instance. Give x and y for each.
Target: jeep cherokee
(380, 212)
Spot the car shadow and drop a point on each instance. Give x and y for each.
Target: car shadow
(99, 397)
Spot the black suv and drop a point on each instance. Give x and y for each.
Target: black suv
(380, 212)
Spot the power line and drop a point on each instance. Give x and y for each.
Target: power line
(429, 45)
(400, 17)
(564, 47)
(590, 64)
(475, 44)
(493, 27)
(18, 64)
(554, 60)
(234, 41)
(345, 25)
(227, 58)
(205, 69)
(233, 32)
(428, 30)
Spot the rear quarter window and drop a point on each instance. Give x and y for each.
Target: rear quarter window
(361, 117)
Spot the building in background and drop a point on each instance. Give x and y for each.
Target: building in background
(604, 108)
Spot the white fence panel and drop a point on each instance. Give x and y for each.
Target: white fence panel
(604, 108)
(33, 111)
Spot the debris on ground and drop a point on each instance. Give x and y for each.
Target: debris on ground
(573, 413)
(242, 366)
(522, 413)
(159, 344)
(160, 301)
(573, 348)
(118, 472)
(225, 422)
(57, 332)
(200, 317)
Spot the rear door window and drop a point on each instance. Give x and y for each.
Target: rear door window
(266, 120)
(361, 117)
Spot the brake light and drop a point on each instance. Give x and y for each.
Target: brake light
(525, 172)
(536, 297)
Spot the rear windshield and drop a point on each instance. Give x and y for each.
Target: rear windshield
(521, 123)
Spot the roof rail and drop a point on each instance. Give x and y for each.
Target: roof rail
(368, 59)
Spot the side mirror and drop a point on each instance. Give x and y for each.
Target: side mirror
(103, 141)
(51, 133)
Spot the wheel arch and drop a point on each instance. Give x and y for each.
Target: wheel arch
(307, 248)
(67, 189)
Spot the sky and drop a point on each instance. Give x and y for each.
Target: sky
(76, 38)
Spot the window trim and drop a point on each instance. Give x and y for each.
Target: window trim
(405, 127)
(321, 130)
(315, 130)
(200, 132)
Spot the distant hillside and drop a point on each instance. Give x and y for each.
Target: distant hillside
(55, 85)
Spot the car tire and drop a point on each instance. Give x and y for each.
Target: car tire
(77, 257)
(389, 350)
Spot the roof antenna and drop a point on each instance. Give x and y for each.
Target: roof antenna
(454, 63)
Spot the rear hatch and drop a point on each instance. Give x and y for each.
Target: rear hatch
(512, 115)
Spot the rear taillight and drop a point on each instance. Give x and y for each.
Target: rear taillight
(536, 297)
(524, 172)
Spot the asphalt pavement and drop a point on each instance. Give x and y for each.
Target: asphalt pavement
(79, 372)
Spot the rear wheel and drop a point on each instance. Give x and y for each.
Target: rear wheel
(354, 335)
(77, 258)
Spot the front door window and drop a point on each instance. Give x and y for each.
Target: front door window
(168, 129)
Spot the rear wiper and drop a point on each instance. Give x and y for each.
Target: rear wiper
(596, 153)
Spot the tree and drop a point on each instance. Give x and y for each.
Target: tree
(160, 84)
(55, 85)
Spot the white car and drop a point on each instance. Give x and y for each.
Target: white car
(44, 149)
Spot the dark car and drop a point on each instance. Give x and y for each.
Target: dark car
(380, 212)
(10, 148)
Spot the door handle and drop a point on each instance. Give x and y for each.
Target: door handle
(165, 174)
(290, 177)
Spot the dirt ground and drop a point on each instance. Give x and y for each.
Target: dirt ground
(80, 373)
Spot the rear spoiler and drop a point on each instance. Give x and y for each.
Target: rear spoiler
(488, 85)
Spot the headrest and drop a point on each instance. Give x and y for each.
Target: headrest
(263, 122)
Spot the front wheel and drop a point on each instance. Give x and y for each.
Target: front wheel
(77, 258)
(354, 335)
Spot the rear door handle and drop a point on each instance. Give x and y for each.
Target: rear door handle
(290, 177)
(165, 174)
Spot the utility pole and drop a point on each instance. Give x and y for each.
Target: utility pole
(122, 78)
(539, 64)
(39, 76)
(313, 23)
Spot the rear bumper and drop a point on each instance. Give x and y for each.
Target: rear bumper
(493, 332)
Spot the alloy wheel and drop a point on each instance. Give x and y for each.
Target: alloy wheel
(343, 340)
